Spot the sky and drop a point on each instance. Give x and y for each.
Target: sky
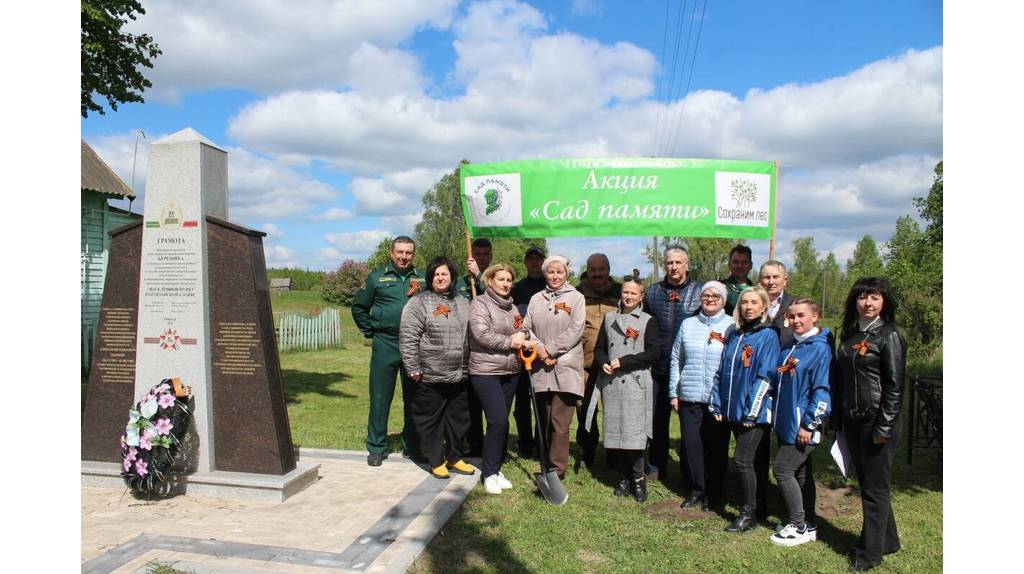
(335, 130)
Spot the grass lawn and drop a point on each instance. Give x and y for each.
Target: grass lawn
(595, 531)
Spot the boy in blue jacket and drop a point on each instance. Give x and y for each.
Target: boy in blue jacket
(801, 388)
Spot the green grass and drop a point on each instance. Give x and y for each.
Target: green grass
(327, 397)
(301, 302)
(595, 531)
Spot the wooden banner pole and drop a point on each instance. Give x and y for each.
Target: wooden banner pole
(469, 254)
(775, 212)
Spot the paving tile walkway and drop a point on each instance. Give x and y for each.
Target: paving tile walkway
(353, 519)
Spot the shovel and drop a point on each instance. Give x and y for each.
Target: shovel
(547, 479)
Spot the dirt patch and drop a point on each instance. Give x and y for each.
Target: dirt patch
(670, 510)
(833, 502)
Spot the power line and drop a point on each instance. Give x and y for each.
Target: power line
(672, 72)
(661, 78)
(693, 60)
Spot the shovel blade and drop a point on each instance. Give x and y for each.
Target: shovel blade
(551, 488)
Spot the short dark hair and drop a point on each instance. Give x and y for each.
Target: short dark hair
(482, 242)
(741, 249)
(867, 285)
(435, 264)
(402, 239)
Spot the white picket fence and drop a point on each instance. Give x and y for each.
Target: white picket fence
(299, 332)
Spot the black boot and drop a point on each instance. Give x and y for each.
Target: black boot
(640, 489)
(622, 489)
(744, 522)
(694, 501)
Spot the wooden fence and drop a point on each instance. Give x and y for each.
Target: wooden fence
(295, 332)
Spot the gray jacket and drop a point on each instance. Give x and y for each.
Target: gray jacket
(555, 319)
(492, 321)
(433, 337)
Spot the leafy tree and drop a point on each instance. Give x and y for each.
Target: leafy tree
(443, 228)
(111, 58)
(381, 255)
(833, 285)
(914, 266)
(866, 262)
(709, 256)
(302, 279)
(340, 286)
(805, 276)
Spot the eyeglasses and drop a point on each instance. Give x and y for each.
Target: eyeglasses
(711, 296)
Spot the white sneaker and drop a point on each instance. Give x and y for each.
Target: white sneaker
(503, 482)
(492, 484)
(791, 535)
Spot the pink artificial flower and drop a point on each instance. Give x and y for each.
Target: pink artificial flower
(123, 445)
(131, 454)
(140, 467)
(146, 440)
(163, 426)
(162, 387)
(166, 401)
(126, 464)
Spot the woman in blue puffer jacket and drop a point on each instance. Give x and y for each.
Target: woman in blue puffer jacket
(696, 356)
(742, 396)
(802, 403)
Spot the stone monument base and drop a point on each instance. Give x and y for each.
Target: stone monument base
(217, 484)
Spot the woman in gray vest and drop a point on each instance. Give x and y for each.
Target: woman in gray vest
(627, 346)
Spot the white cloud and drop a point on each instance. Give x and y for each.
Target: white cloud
(334, 214)
(273, 232)
(259, 189)
(266, 46)
(280, 256)
(357, 245)
(397, 193)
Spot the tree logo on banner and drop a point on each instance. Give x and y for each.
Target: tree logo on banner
(744, 193)
(740, 198)
(495, 200)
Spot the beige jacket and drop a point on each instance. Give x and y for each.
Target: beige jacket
(492, 322)
(556, 319)
(598, 305)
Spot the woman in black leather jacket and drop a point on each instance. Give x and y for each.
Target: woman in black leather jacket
(871, 360)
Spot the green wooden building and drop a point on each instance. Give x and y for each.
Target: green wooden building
(99, 184)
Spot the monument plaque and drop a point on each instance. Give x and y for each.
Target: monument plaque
(189, 299)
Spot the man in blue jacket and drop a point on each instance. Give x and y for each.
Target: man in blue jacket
(671, 300)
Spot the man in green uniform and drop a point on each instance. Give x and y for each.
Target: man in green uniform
(478, 262)
(377, 311)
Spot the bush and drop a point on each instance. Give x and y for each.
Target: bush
(340, 286)
(302, 279)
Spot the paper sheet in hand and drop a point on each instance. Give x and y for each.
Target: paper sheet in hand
(841, 453)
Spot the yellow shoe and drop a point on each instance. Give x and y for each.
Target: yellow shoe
(440, 472)
(461, 467)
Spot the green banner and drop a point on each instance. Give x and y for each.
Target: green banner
(619, 196)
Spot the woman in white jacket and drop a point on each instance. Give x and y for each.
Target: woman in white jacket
(696, 355)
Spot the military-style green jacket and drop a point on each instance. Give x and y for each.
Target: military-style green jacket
(734, 288)
(377, 308)
(462, 286)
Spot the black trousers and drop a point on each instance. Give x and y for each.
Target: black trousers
(630, 463)
(588, 440)
(717, 436)
(475, 433)
(523, 417)
(693, 446)
(440, 414)
(495, 393)
(661, 416)
(795, 474)
(873, 463)
(751, 458)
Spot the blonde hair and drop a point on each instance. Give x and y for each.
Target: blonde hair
(493, 270)
(738, 318)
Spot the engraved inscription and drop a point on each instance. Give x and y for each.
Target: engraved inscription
(236, 344)
(115, 344)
